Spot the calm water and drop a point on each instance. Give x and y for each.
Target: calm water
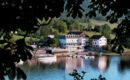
(113, 68)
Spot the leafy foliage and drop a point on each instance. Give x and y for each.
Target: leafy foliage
(106, 31)
(11, 53)
(77, 76)
(73, 7)
(115, 11)
(22, 15)
(99, 78)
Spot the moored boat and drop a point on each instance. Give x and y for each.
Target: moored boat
(47, 59)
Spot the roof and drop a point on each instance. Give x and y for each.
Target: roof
(61, 37)
(75, 33)
(96, 36)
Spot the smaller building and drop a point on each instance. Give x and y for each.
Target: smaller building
(98, 41)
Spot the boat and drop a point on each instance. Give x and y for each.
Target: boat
(85, 57)
(47, 59)
(69, 55)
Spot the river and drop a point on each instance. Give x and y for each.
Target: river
(113, 68)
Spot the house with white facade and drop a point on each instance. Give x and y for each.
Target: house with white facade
(73, 41)
(98, 41)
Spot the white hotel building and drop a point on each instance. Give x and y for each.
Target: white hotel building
(73, 41)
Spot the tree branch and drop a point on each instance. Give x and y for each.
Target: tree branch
(48, 22)
(25, 35)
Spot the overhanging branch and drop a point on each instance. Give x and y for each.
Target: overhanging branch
(48, 22)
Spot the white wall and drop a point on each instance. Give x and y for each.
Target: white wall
(72, 43)
(71, 40)
(99, 42)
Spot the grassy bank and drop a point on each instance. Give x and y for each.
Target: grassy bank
(16, 37)
(96, 22)
(90, 34)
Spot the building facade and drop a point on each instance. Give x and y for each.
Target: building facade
(98, 41)
(73, 41)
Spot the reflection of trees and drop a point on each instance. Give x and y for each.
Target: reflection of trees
(124, 63)
(61, 62)
(94, 62)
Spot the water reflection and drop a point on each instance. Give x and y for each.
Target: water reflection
(103, 63)
(64, 65)
(73, 63)
(124, 63)
(69, 64)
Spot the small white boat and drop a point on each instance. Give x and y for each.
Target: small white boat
(47, 59)
(85, 57)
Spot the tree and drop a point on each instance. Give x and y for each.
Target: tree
(44, 31)
(107, 35)
(106, 31)
(71, 27)
(106, 27)
(76, 25)
(56, 42)
(98, 28)
(61, 26)
(128, 42)
(89, 28)
(114, 10)
(23, 15)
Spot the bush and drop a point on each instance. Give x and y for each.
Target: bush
(107, 47)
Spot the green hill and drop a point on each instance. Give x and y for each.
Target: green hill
(96, 22)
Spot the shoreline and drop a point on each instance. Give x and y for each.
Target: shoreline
(88, 53)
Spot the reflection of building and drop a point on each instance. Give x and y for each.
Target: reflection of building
(74, 63)
(98, 41)
(69, 64)
(73, 41)
(102, 63)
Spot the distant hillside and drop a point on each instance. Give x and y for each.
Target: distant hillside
(85, 5)
(97, 22)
